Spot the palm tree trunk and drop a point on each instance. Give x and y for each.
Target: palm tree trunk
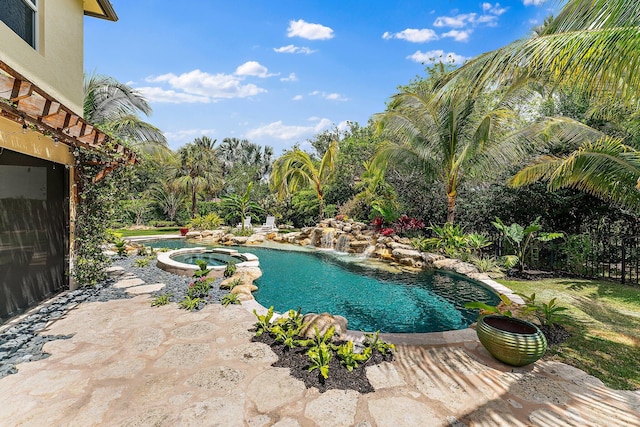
(193, 202)
(451, 207)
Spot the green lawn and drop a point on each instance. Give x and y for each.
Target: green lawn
(123, 232)
(604, 318)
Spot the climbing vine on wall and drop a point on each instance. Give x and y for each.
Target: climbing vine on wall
(95, 207)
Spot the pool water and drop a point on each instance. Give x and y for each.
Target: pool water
(371, 299)
(211, 258)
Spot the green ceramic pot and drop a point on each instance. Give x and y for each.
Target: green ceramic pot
(513, 341)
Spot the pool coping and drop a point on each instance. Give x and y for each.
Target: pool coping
(165, 262)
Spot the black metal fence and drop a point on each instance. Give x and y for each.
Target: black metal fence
(610, 251)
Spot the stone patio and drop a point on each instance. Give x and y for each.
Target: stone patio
(130, 364)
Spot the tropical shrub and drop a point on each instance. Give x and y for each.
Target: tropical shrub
(209, 222)
(501, 309)
(199, 288)
(520, 237)
(548, 314)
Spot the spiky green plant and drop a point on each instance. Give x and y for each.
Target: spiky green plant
(319, 357)
(264, 321)
(349, 358)
(229, 299)
(160, 300)
(189, 303)
(374, 341)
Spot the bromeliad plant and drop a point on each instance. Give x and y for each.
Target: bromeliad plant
(349, 358)
(320, 349)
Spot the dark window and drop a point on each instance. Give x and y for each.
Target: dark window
(20, 16)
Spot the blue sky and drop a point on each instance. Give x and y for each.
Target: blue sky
(280, 72)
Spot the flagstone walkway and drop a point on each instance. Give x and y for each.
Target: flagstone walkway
(130, 364)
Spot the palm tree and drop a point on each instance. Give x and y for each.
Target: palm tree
(233, 152)
(198, 169)
(591, 44)
(594, 46)
(115, 107)
(450, 136)
(606, 168)
(295, 169)
(241, 206)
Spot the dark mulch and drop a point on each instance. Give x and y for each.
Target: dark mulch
(339, 378)
(556, 334)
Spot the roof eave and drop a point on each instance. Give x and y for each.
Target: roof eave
(107, 10)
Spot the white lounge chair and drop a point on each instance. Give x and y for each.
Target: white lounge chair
(247, 223)
(270, 225)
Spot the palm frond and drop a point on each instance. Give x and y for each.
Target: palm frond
(606, 168)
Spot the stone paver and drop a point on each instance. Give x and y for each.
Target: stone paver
(126, 363)
(145, 289)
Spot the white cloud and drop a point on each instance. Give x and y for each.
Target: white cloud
(490, 20)
(457, 21)
(252, 68)
(489, 17)
(458, 35)
(309, 31)
(157, 94)
(534, 2)
(433, 56)
(294, 49)
(297, 98)
(494, 9)
(192, 86)
(181, 137)
(329, 96)
(413, 35)
(278, 130)
(290, 78)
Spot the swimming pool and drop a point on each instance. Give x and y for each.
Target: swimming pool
(371, 299)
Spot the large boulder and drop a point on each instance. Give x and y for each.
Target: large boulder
(244, 289)
(401, 253)
(322, 322)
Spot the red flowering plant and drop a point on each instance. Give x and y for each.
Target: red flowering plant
(406, 225)
(387, 231)
(378, 223)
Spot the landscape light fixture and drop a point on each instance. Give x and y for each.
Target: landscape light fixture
(24, 128)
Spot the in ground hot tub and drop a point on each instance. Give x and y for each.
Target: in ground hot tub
(183, 261)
